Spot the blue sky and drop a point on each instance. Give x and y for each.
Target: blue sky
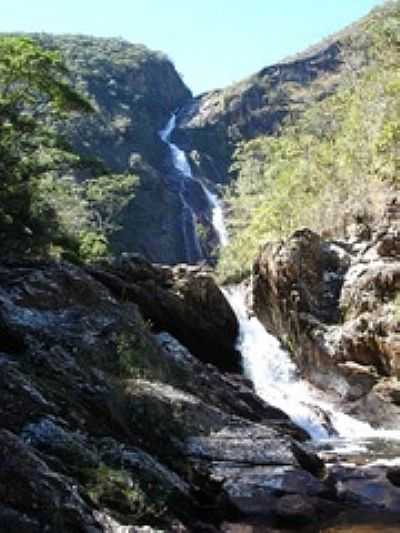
(212, 42)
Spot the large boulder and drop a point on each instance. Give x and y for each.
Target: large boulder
(184, 300)
(336, 305)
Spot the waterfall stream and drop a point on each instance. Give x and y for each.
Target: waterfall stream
(182, 166)
(269, 366)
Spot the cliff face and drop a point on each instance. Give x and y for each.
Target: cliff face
(336, 305)
(133, 91)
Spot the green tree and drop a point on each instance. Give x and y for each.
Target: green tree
(34, 87)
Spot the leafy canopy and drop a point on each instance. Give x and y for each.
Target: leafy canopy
(43, 209)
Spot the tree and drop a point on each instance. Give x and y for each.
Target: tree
(107, 197)
(34, 90)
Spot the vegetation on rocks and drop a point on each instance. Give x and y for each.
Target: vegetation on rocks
(133, 91)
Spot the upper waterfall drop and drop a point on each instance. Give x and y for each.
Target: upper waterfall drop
(179, 158)
(182, 165)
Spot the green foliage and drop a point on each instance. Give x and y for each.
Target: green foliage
(32, 75)
(32, 86)
(138, 357)
(128, 85)
(109, 487)
(396, 306)
(43, 208)
(107, 197)
(335, 164)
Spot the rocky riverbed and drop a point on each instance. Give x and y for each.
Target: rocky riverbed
(122, 404)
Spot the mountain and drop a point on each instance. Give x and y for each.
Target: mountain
(143, 397)
(332, 163)
(215, 122)
(134, 91)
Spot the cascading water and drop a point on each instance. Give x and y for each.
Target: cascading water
(276, 380)
(182, 166)
(268, 365)
(218, 220)
(193, 248)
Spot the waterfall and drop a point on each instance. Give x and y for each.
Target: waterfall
(194, 252)
(269, 367)
(218, 219)
(182, 166)
(276, 380)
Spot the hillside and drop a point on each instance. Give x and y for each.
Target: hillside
(333, 167)
(133, 91)
(217, 121)
(138, 396)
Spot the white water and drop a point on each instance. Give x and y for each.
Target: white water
(182, 165)
(268, 365)
(276, 380)
(218, 219)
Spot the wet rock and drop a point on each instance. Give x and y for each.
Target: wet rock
(393, 475)
(367, 487)
(233, 394)
(14, 522)
(361, 379)
(31, 489)
(335, 305)
(72, 448)
(309, 461)
(107, 427)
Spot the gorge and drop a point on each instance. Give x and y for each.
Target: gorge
(218, 349)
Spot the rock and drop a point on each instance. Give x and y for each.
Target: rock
(295, 509)
(14, 522)
(389, 389)
(109, 427)
(232, 394)
(214, 122)
(367, 486)
(184, 301)
(28, 486)
(361, 379)
(334, 304)
(393, 475)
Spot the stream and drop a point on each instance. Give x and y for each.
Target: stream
(270, 368)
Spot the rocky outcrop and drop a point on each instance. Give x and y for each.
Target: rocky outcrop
(105, 424)
(184, 301)
(133, 91)
(335, 305)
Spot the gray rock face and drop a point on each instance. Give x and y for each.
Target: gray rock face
(107, 426)
(185, 301)
(214, 122)
(336, 307)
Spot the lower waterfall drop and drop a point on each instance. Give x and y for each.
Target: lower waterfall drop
(276, 380)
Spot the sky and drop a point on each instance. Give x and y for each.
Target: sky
(213, 43)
